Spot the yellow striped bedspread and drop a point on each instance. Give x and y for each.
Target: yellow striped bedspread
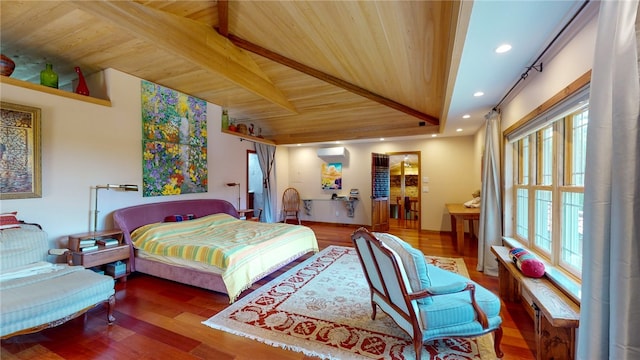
(245, 250)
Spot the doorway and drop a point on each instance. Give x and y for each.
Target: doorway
(404, 189)
(255, 184)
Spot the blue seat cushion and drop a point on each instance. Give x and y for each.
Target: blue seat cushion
(455, 310)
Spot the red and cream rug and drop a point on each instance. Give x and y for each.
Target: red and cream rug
(322, 308)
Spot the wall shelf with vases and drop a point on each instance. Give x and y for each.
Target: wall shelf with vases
(54, 91)
(248, 137)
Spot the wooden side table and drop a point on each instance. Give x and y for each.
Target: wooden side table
(459, 213)
(242, 213)
(104, 254)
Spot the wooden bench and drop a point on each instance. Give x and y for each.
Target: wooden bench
(555, 315)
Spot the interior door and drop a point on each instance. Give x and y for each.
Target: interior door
(379, 192)
(405, 188)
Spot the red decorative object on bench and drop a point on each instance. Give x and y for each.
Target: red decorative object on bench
(527, 263)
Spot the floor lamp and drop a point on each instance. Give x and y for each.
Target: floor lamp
(125, 187)
(238, 185)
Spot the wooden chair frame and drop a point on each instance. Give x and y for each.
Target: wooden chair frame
(410, 316)
(291, 205)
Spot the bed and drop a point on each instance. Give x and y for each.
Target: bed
(215, 250)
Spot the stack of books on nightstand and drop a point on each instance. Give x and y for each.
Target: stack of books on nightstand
(86, 245)
(108, 242)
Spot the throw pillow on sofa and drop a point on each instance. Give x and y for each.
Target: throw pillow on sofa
(9, 220)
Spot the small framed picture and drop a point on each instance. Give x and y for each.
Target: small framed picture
(20, 153)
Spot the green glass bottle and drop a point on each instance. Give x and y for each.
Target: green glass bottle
(225, 120)
(48, 77)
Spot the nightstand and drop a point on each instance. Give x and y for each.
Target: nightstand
(101, 255)
(243, 214)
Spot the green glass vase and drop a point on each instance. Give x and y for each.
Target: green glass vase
(48, 77)
(225, 120)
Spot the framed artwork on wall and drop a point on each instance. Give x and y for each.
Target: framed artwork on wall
(332, 176)
(174, 143)
(20, 153)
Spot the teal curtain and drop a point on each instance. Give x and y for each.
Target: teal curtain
(266, 158)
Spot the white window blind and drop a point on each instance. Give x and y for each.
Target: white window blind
(566, 106)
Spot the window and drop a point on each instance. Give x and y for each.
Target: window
(548, 180)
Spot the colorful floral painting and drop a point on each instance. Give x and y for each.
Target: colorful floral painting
(174, 145)
(332, 176)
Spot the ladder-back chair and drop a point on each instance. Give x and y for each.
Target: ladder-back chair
(291, 205)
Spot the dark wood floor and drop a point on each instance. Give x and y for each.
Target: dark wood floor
(158, 319)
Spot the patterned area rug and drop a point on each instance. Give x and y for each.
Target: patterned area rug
(322, 308)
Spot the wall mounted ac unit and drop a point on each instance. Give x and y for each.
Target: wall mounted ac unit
(333, 152)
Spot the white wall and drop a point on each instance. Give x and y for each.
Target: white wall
(573, 61)
(449, 163)
(84, 145)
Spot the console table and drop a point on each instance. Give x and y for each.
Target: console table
(349, 204)
(459, 213)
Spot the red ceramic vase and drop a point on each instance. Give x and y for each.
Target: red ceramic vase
(6, 65)
(82, 87)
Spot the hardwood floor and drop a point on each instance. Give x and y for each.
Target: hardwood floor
(159, 319)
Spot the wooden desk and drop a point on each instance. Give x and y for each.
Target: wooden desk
(459, 213)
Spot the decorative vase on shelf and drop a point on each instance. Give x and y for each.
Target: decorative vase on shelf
(6, 65)
(225, 119)
(82, 87)
(48, 77)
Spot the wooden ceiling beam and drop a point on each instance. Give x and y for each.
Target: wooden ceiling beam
(349, 134)
(190, 40)
(223, 17)
(257, 49)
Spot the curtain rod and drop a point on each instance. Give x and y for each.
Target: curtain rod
(539, 67)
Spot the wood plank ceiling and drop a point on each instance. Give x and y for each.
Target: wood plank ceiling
(378, 68)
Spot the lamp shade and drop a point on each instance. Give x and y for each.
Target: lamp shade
(123, 187)
(238, 185)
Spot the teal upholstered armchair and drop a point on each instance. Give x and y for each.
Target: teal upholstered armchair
(425, 301)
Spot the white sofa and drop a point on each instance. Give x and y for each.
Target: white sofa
(36, 294)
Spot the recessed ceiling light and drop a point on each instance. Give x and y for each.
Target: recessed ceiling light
(466, 116)
(503, 48)
(337, 142)
(478, 93)
(458, 130)
(381, 139)
(434, 135)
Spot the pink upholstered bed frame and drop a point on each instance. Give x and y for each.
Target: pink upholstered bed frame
(131, 218)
